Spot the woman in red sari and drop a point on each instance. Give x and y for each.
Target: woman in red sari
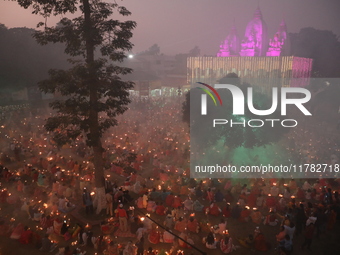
(270, 201)
(112, 249)
(271, 219)
(177, 202)
(251, 199)
(180, 225)
(17, 231)
(184, 190)
(244, 216)
(256, 216)
(226, 211)
(214, 209)
(160, 209)
(210, 195)
(226, 244)
(187, 238)
(170, 199)
(260, 242)
(154, 236)
(26, 236)
(193, 225)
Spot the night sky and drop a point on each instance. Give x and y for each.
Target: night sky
(178, 25)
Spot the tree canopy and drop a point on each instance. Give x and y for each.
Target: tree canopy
(322, 46)
(93, 90)
(153, 50)
(19, 65)
(325, 103)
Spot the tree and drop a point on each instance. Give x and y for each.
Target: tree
(93, 89)
(325, 102)
(153, 50)
(194, 52)
(320, 45)
(20, 67)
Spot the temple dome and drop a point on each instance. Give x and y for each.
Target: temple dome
(256, 33)
(258, 13)
(231, 45)
(234, 41)
(282, 31)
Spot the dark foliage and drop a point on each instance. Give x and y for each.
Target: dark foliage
(322, 46)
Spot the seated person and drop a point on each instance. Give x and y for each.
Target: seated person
(154, 236)
(226, 244)
(151, 206)
(214, 209)
(112, 249)
(177, 202)
(260, 242)
(210, 241)
(106, 228)
(154, 194)
(47, 245)
(180, 225)
(226, 211)
(26, 236)
(169, 221)
(168, 237)
(130, 248)
(286, 245)
(188, 204)
(247, 242)
(64, 205)
(271, 219)
(37, 215)
(17, 231)
(222, 227)
(281, 235)
(193, 225)
(244, 216)
(256, 216)
(187, 238)
(198, 207)
(160, 209)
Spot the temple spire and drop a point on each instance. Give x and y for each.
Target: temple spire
(258, 13)
(255, 42)
(277, 44)
(231, 45)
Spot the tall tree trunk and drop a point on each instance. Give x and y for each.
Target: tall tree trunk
(99, 201)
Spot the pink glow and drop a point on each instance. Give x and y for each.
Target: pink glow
(255, 41)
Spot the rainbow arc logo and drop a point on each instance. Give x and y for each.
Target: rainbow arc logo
(204, 97)
(209, 93)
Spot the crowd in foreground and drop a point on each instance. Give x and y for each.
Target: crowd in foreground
(151, 205)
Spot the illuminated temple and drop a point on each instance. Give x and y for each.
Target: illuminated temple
(254, 58)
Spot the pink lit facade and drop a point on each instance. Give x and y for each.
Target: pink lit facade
(256, 58)
(255, 42)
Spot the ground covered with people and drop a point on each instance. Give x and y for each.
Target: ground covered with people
(48, 199)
